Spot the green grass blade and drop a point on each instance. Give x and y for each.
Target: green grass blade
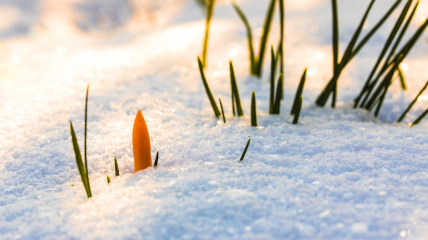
(281, 32)
(79, 162)
(244, 19)
(116, 167)
(253, 110)
(210, 12)
(412, 103)
(207, 89)
(375, 28)
(108, 180)
(299, 93)
(156, 159)
(279, 88)
(265, 36)
(419, 119)
(297, 115)
(403, 82)
(235, 90)
(245, 150)
(335, 35)
(233, 103)
(86, 131)
(222, 110)
(272, 80)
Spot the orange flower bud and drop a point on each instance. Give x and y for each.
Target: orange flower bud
(141, 143)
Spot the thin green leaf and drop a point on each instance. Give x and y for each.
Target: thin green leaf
(265, 35)
(335, 35)
(86, 131)
(108, 180)
(297, 115)
(279, 88)
(235, 90)
(79, 162)
(299, 93)
(412, 103)
(222, 110)
(281, 31)
(245, 150)
(253, 110)
(156, 159)
(272, 80)
(207, 89)
(116, 167)
(244, 19)
(403, 82)
(210, 12)
(419, 119)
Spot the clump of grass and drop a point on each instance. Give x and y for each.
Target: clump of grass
(157, 158)
(116, 167)
(210, 11)
(351, 51)
(256, 62)
(208, 90)
(245, 150)
(412, 103)
(298, 108)
(372, 80)
(108, 180)
(222, 110)
(79, 162)
(380, 92)
(253, 110)
(299, 93)
(236, 99)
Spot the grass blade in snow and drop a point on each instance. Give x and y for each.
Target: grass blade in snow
(279, 89)
(207, 89)
(272, 81)
(156, 160)
(245, 150)
(403, 82)
(335, 35)
(253, 110)
(79, 162)
(263, 41)
(235, 90)
(116, 167)
(299, 93)
(244, 19)
(419, 119)
(86, 131)
(297, 115)
(222, 110)
(412, 103)
(108, 180)
(281, 31)
(210, 11)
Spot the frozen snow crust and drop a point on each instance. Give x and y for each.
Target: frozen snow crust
(338, 174)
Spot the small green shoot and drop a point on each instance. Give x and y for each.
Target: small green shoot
(403, 82)
(210, 11)
(253, 110)
(419, 119)
(108, 180)
(279, 94)
(208, 90)
(235, 91)
(256, 62)
(245, 150)
(86, 131)
(116, 167)
(156, 159)
(335, 37)
(222, 110)
(412, 103)
(281, 32)
(299, 93)
(272, 80)
(297, 115)
(79, 162)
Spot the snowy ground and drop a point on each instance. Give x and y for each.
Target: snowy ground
(339, 174)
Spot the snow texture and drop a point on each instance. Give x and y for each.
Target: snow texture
(338, 174)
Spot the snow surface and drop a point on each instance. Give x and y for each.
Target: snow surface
(338, 174)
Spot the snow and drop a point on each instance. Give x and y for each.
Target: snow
(339, 174)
